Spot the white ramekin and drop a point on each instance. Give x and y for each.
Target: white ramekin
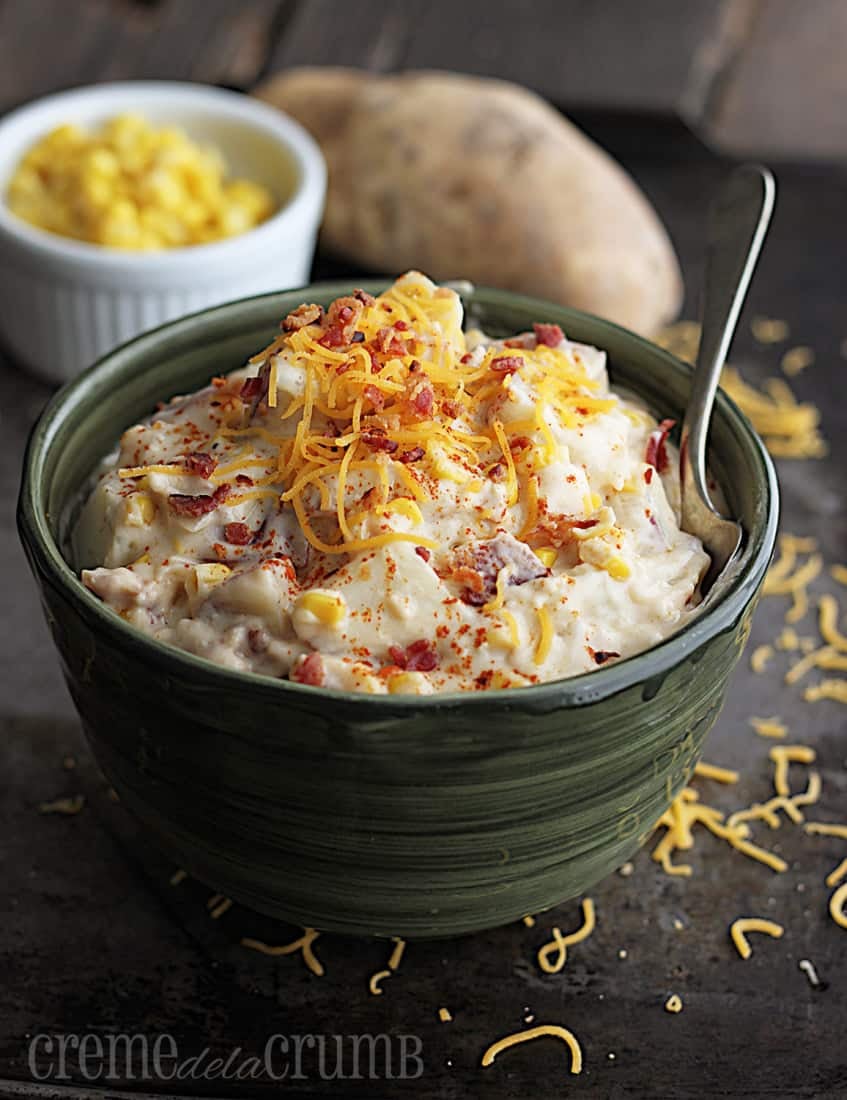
(64, 303)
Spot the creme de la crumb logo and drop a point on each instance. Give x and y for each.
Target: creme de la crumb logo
(124, 1058)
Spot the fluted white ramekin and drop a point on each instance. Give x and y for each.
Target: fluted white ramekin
(64, 303)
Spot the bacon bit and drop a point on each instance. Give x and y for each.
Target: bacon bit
(466, 358)
(477, 565)
(602, 655)
(422, 552)
(358, 338)
(557, 530)
(420, 656)
(200, 463)
(302, 316)
(474, 582)
(497, 471)
(648, 474)
(656, 454)
(375, 397)
(243, 479)
(415, 455)
(377, 440)
(549, 336)
(451, 408)
(310, 671)
(255, 389)
(520, 443)
(484, 679)
(239, 534)
(401, 326)
(423, 401)
(333, 337)
(414, 366)
(398, 656)
(251, 388)
(363, 297)
(182, 505)
(390, 343)
(506, 364)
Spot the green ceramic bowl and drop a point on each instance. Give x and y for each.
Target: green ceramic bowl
(385, 815)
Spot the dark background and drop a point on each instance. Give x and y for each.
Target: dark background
(92, 937)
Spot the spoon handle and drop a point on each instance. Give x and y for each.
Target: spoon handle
(738, 221)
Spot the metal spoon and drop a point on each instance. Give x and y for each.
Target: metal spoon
(738, 222)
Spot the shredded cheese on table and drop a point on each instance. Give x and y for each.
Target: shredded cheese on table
(67, 806)
(769, 727)
(374, 984)
(837, 873)
(760, 657)
(836, 690)
(552, 1030)
(673, 1004)
(303, 944)
(560, 943)
(739, 928)
(782, 756)
(444, 1015)
(822, 828)
(838, 906)
(790, 429)
(712, 771)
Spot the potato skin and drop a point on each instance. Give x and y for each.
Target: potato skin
(464, 177)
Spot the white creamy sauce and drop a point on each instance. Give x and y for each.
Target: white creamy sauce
(588, 565)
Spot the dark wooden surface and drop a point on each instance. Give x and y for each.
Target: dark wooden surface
(763, 77)
(94, 940)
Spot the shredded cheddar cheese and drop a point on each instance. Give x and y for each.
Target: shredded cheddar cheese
(769, 727)
(67, 806)
(739, 928)
(790, 428)
(836, 690)
(374, 983)
(838, 906)
(553, 1030)
(782, 756)
(822, 828)
(559, 944)
(712, 771)
(303, 944)
(760, 657)
(837, 874)
(545, 636)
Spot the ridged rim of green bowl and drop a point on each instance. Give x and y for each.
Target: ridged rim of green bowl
(229, 319)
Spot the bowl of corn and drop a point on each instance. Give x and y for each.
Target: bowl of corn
(123, 206)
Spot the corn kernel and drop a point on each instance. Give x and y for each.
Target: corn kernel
(205, 576)
(546, 555)
(405, 507)
(140, 510)
(408, 683)
(329, 609)
(617, 568)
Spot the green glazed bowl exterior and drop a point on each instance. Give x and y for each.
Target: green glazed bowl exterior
(386, 815)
